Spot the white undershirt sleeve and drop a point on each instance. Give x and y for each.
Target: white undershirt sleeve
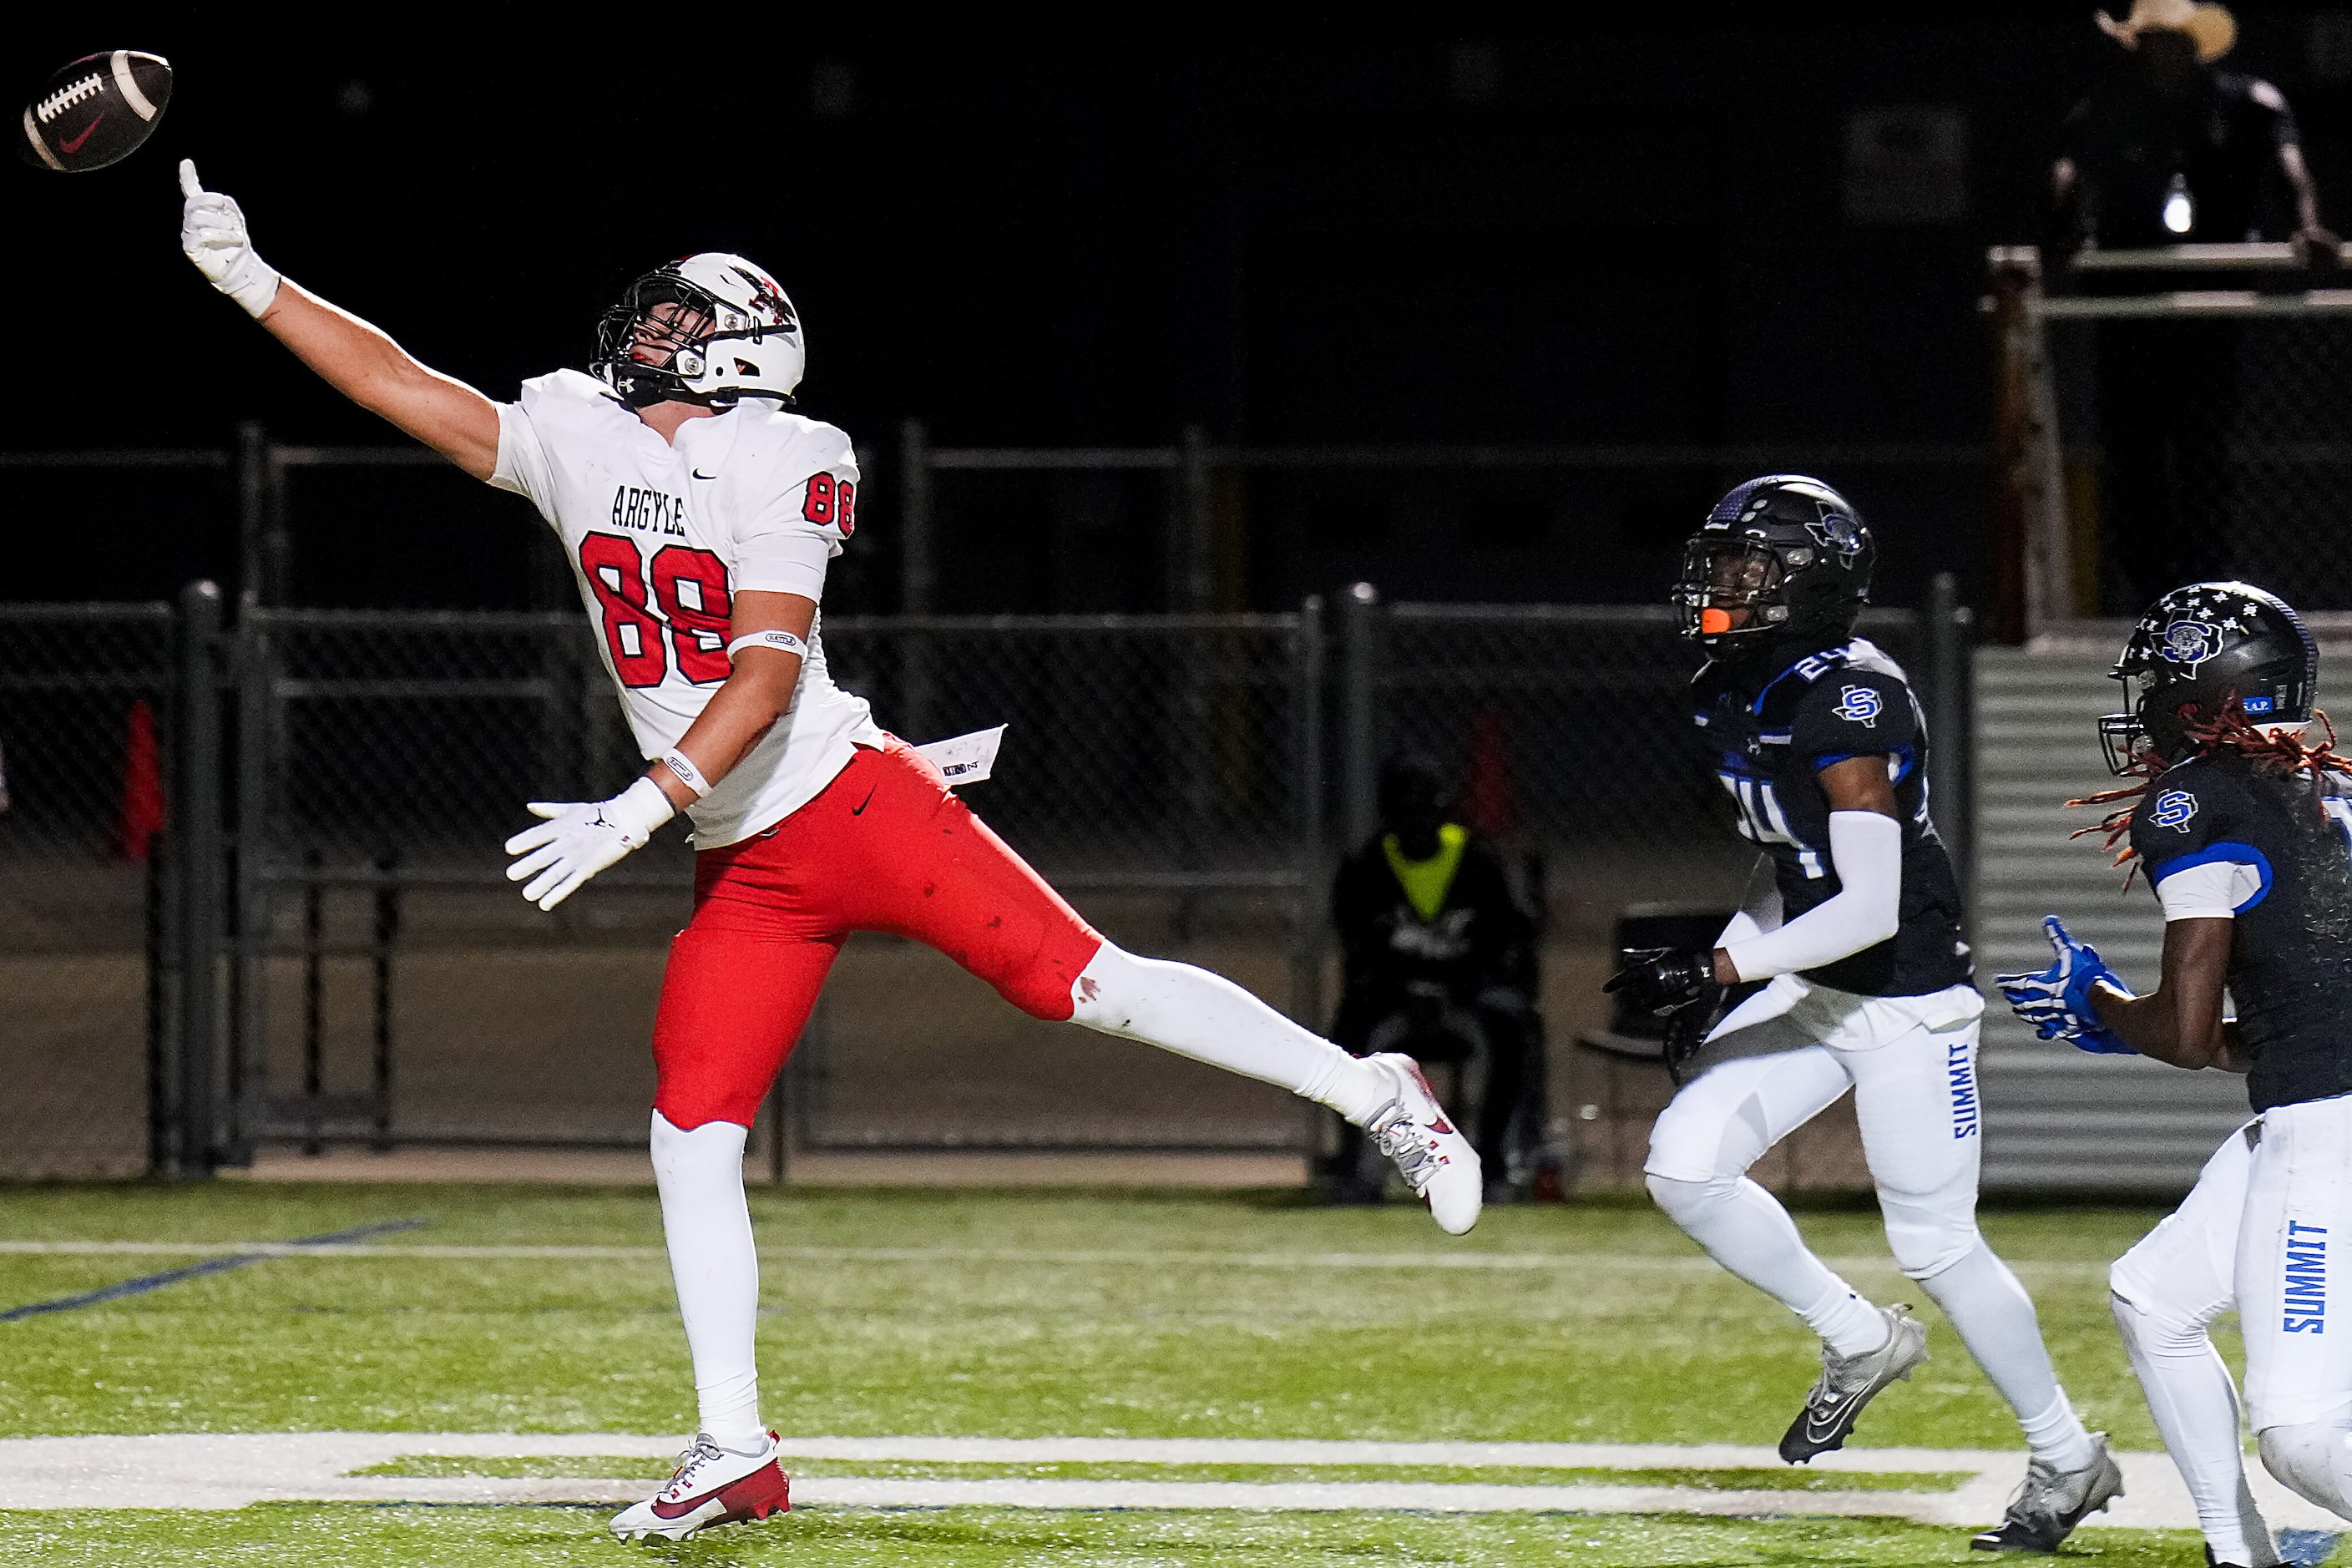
(784, 561)
(1866, 848)
(1759, 905)
(524, 467)
(2215, 890)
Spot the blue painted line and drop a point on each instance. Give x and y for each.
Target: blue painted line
(2306, 1548)
(146, 1282)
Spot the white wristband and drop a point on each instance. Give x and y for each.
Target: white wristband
(782, 641)
(687, 773)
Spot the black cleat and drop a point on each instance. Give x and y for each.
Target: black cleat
(1849, 1383)
(2053, 1501)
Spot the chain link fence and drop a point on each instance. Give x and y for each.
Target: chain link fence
(390, 986)
(83, 693)
(2202, 447)
(1165, 773)
(1569, 726)
(2163, 416)
(339, 959)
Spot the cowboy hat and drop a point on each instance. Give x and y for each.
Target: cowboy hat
(2211, 27)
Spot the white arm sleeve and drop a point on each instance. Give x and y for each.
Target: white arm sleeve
(1867, 850)
(1759, 906)
(2216, 891)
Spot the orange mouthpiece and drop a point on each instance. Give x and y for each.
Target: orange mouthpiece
(1714, 621)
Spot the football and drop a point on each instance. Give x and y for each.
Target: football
(96, 112)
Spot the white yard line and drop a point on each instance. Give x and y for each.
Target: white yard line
(1473, 1261)
(226, 1472)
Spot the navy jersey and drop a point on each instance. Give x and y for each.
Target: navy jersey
(2291, 955)
(1771, 727)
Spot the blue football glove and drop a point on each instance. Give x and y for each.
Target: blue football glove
(2057, 1000)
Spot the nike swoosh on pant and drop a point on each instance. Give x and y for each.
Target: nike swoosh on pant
(859, 809)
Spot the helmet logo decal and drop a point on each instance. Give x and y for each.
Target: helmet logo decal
(1836, 531)
(2189, 642)
(1858, 705)
(2173, 809)
(768, 297)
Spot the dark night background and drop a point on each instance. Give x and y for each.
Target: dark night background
(1648, 231)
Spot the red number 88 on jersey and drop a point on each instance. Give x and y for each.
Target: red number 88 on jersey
(832, 502)
(688, 588)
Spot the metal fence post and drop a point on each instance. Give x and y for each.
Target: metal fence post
(916, 576)
(252, 509)
(314, 1001)
(385, 940)
(1946, 630)
(163, 1003)
(1360, 761)
(915, 568)
(1307, 940)
(1943, 644)
(197, 830)
(253, 671)
(1190, 581)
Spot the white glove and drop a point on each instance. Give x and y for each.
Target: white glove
(212, 232)
(580, 839)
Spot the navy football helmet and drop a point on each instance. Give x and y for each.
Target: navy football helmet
(2196, 650)
(1780, 557)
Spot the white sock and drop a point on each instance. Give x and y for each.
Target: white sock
(2312, 1460)
(709, 1228)
(1994, 1318)
(1745, 1228)
(2195, 1405)
(1209, 1018)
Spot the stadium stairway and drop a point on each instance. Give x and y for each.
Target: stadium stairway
(2056, 1117)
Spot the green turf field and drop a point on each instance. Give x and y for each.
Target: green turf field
(998, 1315)
(351, 1537)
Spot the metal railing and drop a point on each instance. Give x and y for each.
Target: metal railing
(2201, 426)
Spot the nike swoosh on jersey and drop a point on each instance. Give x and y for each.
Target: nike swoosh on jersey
(698, 474)
(859, 809)
(75, 146)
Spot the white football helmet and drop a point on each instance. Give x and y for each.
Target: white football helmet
(708, 328)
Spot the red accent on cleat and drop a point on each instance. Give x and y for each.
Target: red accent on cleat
(763, 1492)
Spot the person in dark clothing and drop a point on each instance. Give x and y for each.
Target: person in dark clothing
(1438, 958)
(2170, 150)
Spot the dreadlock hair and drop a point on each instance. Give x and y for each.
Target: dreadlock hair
(2276, 753)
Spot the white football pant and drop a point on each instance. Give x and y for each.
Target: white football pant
(2169, 1289)
(1790, 1051)
(2282, 1243)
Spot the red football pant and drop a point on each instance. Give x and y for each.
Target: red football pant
(885, 847)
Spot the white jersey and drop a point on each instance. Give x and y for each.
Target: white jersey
(661, 536)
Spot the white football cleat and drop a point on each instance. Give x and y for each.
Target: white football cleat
(1435, 1161)
(710, 1487)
